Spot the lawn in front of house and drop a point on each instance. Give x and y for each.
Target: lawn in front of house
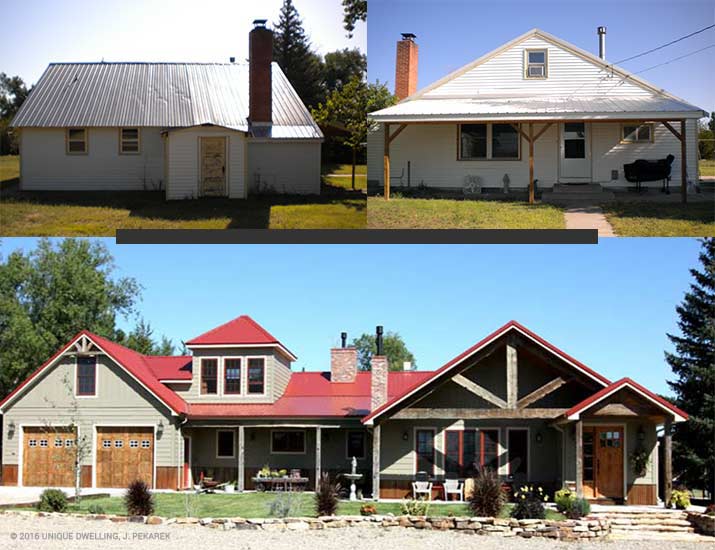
(409, 213)
(9, 169)
(344, 169)
(653, 219)
(707, 167)
(258, 505)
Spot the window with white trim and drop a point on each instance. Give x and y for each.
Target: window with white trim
(106, 444)
(32, 443)
(43, 443)
(129, 141)
(488, 141)
(76, 141)
(58, 442)
(118, 443)
(256, 375)
(134, 443)
(209, 376)
(536, 63)
(86, 376)
(637, 133)
(146, 443)
(517, 442)
(232, 376)
(69, 442)
(225, 444)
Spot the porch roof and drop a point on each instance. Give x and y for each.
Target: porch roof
(546, 108)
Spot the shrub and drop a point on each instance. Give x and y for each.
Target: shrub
(563, 499)
(52, 500)
(710, 510)
(679, 499)
(418, 507)
(368, 510)
(95, 509)
(138, 499)
(487, 496)
(282, 505)
(578, 508)
(326, 496)
(529, 503)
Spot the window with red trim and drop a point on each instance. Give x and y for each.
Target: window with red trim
(461, 453)
(489, 449)
(424, 448)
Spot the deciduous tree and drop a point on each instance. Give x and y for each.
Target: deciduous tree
(395, 350)
(353, 11)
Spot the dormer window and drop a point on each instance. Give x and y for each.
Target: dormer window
(209, 376)
(86, 376)
(256, 375)
(536, 63)
(232, 376)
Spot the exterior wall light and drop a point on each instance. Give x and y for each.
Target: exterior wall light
(539, 438)
(641, 434)
(405, 436)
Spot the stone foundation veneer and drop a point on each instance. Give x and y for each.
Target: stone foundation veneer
(704, 524)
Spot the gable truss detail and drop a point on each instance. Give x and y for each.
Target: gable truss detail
(84, 345)
(479, 391)
(541, 392)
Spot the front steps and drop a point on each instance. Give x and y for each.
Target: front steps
(650, 525)
(567, 193)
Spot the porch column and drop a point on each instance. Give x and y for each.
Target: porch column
(579, 458)
(318, 473)
(683, 164)
(376, 462)
(386, 162)
(241, 455)
(667, 461)
(531, 163)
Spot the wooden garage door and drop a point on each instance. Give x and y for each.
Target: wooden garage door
(123, 455)
(48, 457)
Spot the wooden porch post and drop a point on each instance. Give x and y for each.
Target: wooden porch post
(531, 163)
(376, 462)
(386, 162)
(683, 164)
(241, 459)
(667, 461)
(318, 473)
(579, 458)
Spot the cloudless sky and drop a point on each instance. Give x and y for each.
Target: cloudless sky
(38, 32)
(609, 305)
(452, 33)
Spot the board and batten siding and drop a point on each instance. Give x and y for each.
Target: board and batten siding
(119, 401)
(569, 74)
(284, 167)
(432, 150)
(46, 166)
(183, 162)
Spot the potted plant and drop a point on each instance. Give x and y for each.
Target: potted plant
(230, 487)
(639, 461)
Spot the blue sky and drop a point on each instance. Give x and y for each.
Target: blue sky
(37, 32)
(452, 33)
(609, 305)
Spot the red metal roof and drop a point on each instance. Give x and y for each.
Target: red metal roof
(623, 383)
(169, 367)
(241, 330)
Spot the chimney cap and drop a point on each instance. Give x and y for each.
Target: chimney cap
(601, 30)
(260, 22)
(408, 36)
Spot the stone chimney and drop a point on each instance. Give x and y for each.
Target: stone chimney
(378, 377)
(343, 362)
(260, 85)
(406, 66)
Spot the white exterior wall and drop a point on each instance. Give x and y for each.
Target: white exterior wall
(431, 150)
(183, 162)
(45, 165)
(285, 167)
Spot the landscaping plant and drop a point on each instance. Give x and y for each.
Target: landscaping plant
(368, 510)
(326, 496)
(52, 500)
(95, 509)
(563, 499)
(679, 499)
(487, 497)
(529, 503)
(138, 499)
(578, 508)
(283, 505)
(418, 507)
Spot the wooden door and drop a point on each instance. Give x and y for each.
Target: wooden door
(609, 461)
(48, 457)
(123, 455)
(213, 166)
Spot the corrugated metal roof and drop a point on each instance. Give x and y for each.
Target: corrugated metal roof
(166, 95)
(541, 107)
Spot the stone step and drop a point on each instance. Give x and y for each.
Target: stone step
(576, 188)
(676, 537)
(671, 528)
(648, 521)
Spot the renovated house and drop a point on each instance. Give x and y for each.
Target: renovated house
(188, 129)
(536, 108)
(512, 402)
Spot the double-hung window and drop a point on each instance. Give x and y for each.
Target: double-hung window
(637, 133)
(461, 452)
(76, 141)
(209, 376)
(488, 141)
(129, 143)
(86, 376)
(536, 63)
(424, 449)
(256, 375)
(232, 376)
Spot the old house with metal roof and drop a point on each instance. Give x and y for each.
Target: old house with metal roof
(513, 403)
(535, 108)
(189, 129)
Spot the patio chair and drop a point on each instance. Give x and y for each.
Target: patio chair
(423, 488)
(453, 487)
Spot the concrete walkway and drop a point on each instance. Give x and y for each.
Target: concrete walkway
(588, 217)
(12, 496)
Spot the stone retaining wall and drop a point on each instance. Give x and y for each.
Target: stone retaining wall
(568, 529)
(703, 524)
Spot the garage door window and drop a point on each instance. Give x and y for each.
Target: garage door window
(106, 444)
(86, 376)
(32, 443)
(224, 444)
(134, 444)
(43, 443)
(146, 444)
(118, 443)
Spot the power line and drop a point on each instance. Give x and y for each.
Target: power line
(676, 59)
(664, 45)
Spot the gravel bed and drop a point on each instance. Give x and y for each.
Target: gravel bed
(69, 533)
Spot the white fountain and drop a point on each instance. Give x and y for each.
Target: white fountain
(353, 477)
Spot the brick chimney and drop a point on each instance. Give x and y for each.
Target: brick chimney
(378, 377)
(260, 85)
(343, 362)
(406, 66)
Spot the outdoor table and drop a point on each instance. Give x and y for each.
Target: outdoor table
(285, 483)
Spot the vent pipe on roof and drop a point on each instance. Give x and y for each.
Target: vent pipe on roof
(260, 84)
(602, 42)
(343, 339)
(378, 340)
(232, 59)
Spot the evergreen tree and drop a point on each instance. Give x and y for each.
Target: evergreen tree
(141, 339)
(292, 51)
(693, 364)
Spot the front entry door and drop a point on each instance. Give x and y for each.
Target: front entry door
(213, 166)
(609, 451)
(575, 153)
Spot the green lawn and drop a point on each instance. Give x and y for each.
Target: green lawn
(256, 505)
(402, 213)
(707, 167)
(345, 169)
(9, 168)
(101, 213)
(634, 219)
(342, 182)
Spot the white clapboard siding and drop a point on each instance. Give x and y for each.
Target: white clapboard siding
(183, 162)
(568, 74)
(289, 167)
(45, 165)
